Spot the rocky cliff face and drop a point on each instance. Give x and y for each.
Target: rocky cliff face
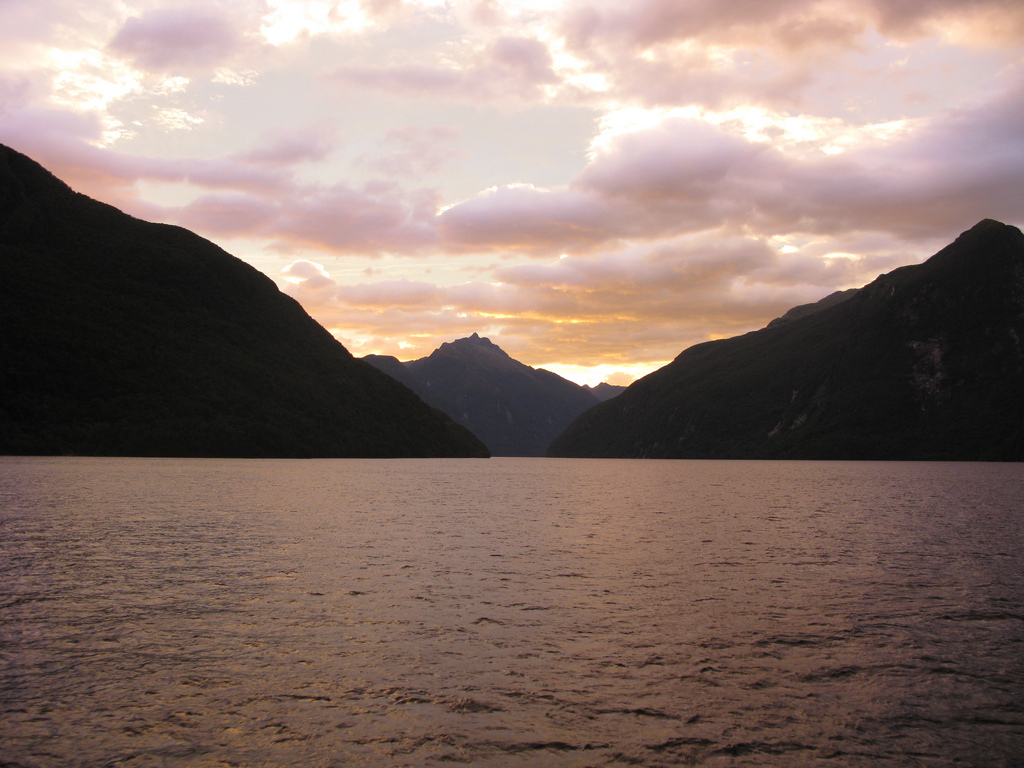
(924, 363)
(120, 337)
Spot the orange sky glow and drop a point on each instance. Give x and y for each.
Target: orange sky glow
(593, 185)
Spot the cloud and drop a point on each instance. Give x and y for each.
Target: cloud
(402, 294)
(680, 175)
(407, 79)
(635, 307)
(966, 21)
(370, 221)
(177, 39)
(644, 23)
(682, 160)
(528, 57)
(218, 173)
(667, 53)
(94, 59)
(175, 119)
(26, 26)
(692, 174)
(297, 145)
(15, 93)
(228, 214)
(699, 283)
(660, 174)
(67, 143)
(380, 8)
(792, 25)
(745, 156)
(337, 219)
(507, 68)
(522, 217)
(309, 274)
(412, 152)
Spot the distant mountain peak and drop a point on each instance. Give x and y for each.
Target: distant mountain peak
(987, 240)
(986, 225)
(474, 347)
(605, 391)
(515, 409)
(476, 338)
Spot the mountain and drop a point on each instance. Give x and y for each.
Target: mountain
(604, 391)
(809, 309)
(925, 362)
(513, 408)
(121, 337)
(394, 368)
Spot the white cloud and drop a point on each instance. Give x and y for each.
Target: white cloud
(291, 19)
(175, 119)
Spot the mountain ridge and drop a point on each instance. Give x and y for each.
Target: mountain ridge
(925, 362)
(125, 337)
(605, 391)
(516, 410)
(803, 310)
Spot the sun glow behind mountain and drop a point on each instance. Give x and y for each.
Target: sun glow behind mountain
(593, 185)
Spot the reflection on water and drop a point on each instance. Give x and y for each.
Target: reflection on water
(510, 612)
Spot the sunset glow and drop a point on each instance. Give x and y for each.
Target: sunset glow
(593, 185)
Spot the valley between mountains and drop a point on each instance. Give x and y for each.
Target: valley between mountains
(122, 337)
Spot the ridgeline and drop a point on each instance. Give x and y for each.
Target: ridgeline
(122, 337)
(925, 363)
(514, 409)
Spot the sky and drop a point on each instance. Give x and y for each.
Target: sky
(594, 185)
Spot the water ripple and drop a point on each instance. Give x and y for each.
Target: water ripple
(510, 613)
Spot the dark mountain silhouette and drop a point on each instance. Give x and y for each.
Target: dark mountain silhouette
(926, 362)
(605, 391)
(121, 337)
(394, 368)
(809, 309)
(515, 409)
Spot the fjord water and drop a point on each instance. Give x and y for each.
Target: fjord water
(510, 612)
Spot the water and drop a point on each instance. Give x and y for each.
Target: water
(510, 612)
